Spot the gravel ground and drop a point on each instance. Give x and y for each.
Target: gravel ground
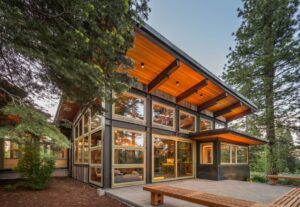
(62, 192)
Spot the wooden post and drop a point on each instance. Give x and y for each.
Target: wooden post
(157, 199)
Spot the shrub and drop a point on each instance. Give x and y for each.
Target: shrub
(258, 177)
(35, 168)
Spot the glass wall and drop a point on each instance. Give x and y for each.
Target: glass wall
(128, 165)
(163, 116)
(205, 124)
(206, 156)
(187, 122)
(172, 158)
(88, 144)
(233, 154)
(130, 108)
(219, 125)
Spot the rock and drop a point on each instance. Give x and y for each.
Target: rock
(100, 192)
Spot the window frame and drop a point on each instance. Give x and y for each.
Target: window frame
(176, 139)
(162, 126)
(206, 119)
(231, 146)
(212, 154)
(130, 119)
(189, 114)
(115, 166)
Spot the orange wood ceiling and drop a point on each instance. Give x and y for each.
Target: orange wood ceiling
(230, 137)
(156, 59)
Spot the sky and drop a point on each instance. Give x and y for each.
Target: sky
(201, 28)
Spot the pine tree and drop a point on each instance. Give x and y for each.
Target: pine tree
(74, 47)
(264, 66)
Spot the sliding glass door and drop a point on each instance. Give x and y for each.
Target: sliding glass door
(173, 158)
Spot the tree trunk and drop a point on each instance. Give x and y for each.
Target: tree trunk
(270, 119)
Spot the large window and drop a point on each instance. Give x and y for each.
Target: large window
(206, 150)
(172, 158)
(11, 150)
(130, 107)
(205, 124)
(219, 125)
(233, 154)
(88, 133)
(187, 122)
(184, 159)
(163, 116)
(128, 157)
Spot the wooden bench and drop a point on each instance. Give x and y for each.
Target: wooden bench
(274, 178)
(290, 199)
(159, 191)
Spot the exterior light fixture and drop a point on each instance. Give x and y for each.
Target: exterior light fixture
(142, 65)
(177, 83)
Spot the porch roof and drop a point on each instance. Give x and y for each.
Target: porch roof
(228, 135)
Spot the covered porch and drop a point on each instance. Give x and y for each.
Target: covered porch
(257, 192)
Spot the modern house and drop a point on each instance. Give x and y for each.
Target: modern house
(171, 125)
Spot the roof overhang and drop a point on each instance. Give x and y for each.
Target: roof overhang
(66, 111)
(228, 135)
(162, 66)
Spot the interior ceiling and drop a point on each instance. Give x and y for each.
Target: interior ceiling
(178, 81)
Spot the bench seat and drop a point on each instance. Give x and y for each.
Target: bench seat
(274, 178)
(289, 199)
(159, 191)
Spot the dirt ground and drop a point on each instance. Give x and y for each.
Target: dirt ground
(62, 192)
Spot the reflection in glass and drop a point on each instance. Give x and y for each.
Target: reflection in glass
(130, 106)
(96, 138)
(76, 150)
(80, 127)
(80, 150)
(76, 131)
(125, 175)
(86, 150)
(95, 119)
(207, 153)
(184, 159)
(96, 156)
(233, 154)
(187, 122)
(126, 156)
(163, 115)
(242, 155)
(86, 122)
(96, 174)
(225, 153)
(164, 159)
(219, 125)
(205, 124)
(128, 138)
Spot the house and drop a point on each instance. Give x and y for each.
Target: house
(11, 152)
(171, 125)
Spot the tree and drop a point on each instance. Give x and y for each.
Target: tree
(75, 47)
(264, 66)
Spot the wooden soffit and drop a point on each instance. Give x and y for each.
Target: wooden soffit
(66, 110)
(228, 135)
(160, 69)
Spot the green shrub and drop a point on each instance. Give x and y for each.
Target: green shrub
(36, 169)
(258, 178)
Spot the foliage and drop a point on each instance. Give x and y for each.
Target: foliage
(76, 47)
(258, 177)
(33, 125)
(264, 66)
(35, 168)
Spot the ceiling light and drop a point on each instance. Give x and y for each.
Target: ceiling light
(177, 83)
(142, 65)
(201, 94)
